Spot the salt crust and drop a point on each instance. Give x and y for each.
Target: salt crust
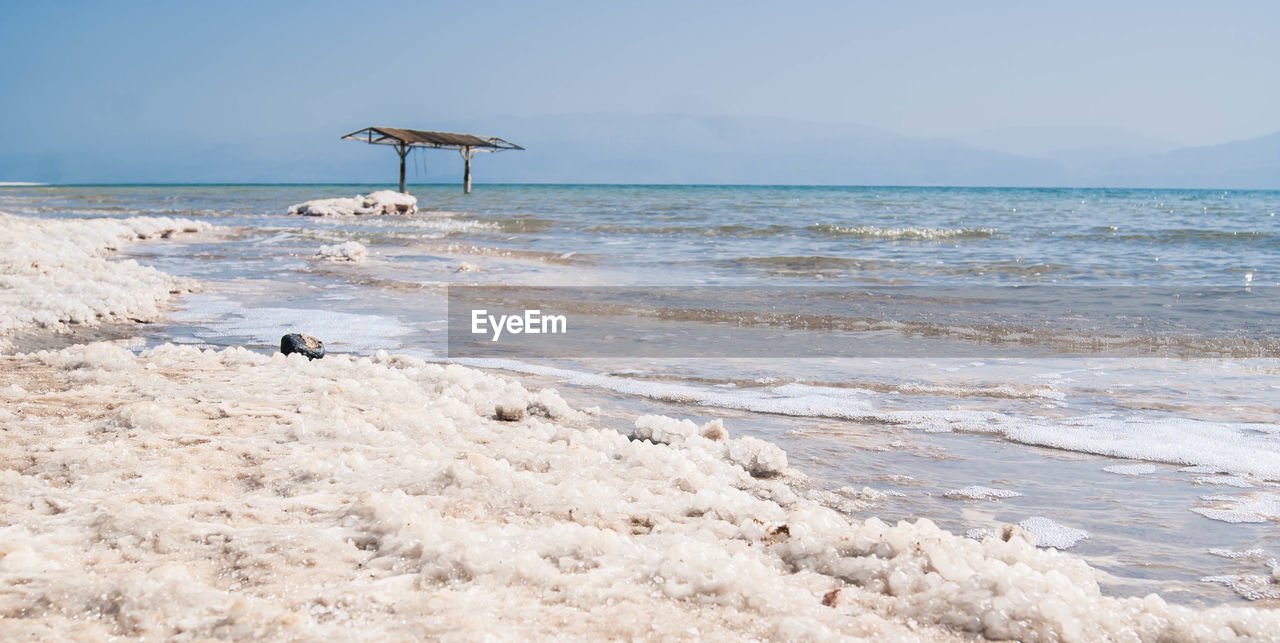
(56, 273)
(1255, 507)
(379, 202)
(185, 494)
(1050, 533)
(1131, 469)
(1251, 586)
(975, 492)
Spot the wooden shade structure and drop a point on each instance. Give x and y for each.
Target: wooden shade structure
(405, 140)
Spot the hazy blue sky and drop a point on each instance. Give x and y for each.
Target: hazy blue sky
(125, 80)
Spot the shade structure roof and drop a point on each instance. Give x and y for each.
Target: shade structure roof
(425, 138)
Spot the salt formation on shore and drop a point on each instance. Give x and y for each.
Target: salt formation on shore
(55, 273)
(379, 202)
(187, 493)
(351, 251)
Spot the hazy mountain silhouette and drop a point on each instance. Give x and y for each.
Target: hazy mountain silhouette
(677, 148)
(1248, 164)
(668, 148)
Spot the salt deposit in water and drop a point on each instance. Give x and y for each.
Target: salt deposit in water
(1253, 587)
(1049, 533)
(1238, 482)
(374, 203)
(351, 251)
(1255, 507)
(1131, 469)
(976, 492)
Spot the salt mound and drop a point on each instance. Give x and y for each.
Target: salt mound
(757, 457)
(379, 202)
(351, 251)
(56, 273)
(238, 495)
(660, 429)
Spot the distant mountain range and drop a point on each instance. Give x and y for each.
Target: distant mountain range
(698, 149)
(674, 148)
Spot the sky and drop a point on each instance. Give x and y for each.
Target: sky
(210, 91)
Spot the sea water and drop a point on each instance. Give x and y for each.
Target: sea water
(1166, 458)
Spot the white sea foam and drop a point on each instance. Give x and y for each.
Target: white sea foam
(239, 495)
(445, 224)
(1238, 447)
(56, 273)
(1234, 554)
(907, 233)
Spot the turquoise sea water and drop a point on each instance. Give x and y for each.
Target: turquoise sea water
(1199, 423)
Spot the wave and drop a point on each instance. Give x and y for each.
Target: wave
(1173, 236)
(901, 234)
(985, 391)
(517, 225)
(810, 265)
(729, 230)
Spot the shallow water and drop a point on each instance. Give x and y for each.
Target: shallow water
(912, 428)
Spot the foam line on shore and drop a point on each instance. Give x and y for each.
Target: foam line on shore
(1235, 447)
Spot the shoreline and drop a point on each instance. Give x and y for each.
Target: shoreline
(547, 525)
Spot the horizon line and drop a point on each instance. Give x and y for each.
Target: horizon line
(37, 184)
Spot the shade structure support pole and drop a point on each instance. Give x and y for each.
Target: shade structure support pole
(403, 151)
(467, 153)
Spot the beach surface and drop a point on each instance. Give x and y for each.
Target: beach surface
(162, 490)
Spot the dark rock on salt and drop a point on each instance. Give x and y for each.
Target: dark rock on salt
(508, 413)
(831, 598)
(306, 345)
